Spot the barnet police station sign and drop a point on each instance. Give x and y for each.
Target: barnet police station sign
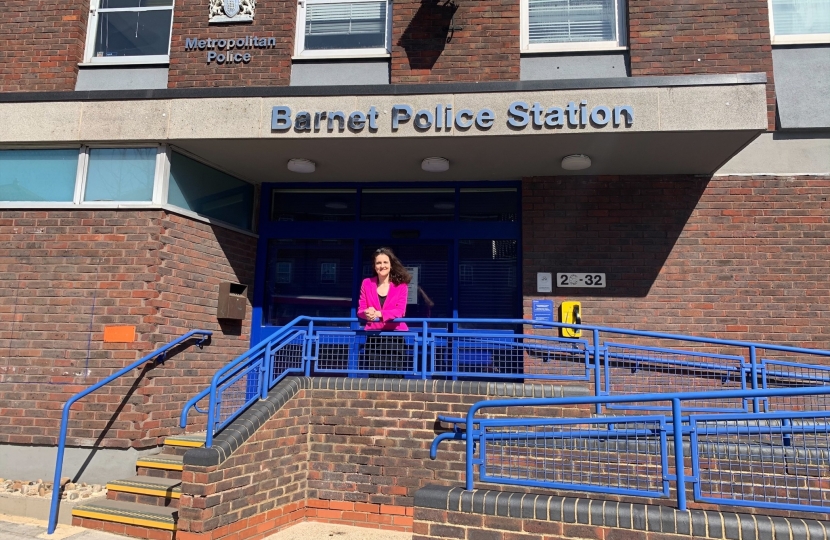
(518, 115)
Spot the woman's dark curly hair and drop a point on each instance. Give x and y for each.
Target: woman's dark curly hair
(397, 273)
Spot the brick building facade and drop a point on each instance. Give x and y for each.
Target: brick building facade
(149, 158)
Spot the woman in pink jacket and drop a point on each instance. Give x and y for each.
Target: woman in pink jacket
(382, 299)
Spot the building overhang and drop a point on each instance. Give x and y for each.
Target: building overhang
(633, 126)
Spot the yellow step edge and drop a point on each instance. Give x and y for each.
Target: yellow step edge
(125, 520)
(160, 465)
(184, 443)
(144, 491)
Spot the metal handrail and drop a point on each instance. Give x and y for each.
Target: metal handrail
(422, 327)
(470, 420)
(161, 354)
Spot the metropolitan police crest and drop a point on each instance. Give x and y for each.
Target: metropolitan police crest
(231, 11)
(231, 7)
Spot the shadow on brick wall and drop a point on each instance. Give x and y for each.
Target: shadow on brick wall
(428, 33)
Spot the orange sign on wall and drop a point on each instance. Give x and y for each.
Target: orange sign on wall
(119, 334)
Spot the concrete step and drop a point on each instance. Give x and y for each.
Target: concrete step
(165, 462)
(140, 515)
(186, 440)
(146, 490)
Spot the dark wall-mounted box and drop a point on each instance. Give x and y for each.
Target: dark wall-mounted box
(233, 301)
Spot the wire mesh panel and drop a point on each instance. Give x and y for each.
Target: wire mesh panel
(506, 355)
(389, 353)
(609, 455)
(780, 374)
(766, 460)
(632, 369)
(238, 390)
(287, 355)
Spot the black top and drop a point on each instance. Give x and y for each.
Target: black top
(382, 299)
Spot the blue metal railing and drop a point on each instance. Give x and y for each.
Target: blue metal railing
(776, 460)
(157, 355)
(455, 348)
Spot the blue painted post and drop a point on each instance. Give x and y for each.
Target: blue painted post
(679, 461)
(307, 354)
(425, 330)
(787, 439)
(470, 450)
(753, 369)
(267, 368)
(211, 412)
(597, 378)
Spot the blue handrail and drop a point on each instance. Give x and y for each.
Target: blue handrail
(471, 433)
(256, 369)
(158, 354)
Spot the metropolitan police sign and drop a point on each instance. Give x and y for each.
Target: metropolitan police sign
(231, 11)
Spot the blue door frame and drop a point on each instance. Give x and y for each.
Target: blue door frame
(380, 233)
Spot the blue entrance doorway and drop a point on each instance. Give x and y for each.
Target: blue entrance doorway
(460, 242)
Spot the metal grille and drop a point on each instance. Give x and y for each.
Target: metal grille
(780, 374)
(764, 461)
(392, 353)
(508, 355)
(631, 369)
(626, 457)
(287, 356)
(238, 391)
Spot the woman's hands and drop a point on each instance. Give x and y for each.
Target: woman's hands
(372, 314)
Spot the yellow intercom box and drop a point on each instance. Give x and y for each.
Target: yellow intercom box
(570, 312)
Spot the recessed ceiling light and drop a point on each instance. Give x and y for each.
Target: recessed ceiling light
(334, 205)
(576, 162)
(435, 164)
(300, 165)
(444, 205)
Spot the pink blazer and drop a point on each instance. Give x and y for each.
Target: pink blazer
(393, 308)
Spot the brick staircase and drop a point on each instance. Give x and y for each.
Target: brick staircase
(145, 505)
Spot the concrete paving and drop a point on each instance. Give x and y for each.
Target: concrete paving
(22, 528)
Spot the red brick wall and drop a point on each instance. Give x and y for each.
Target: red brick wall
(41, 43)
(268, 66)
(670, 37)
(486, 48)
(65, 275)
(730, 257)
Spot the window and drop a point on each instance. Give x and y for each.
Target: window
(328, 272)
(120, 174)
(207, 191)
(800, 21)
(572, 25)
(338, 28)
(129, 31)
(38, 175)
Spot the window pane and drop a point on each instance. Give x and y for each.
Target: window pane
(408, 205)
(133, 33)
(197, 187)
(491, 266)
(308, 277)
(120, 174)
(347, 25)
(489, 204)
(314, 205)
(122, 4)
(793, 17)
(38, 175)
(567, 21)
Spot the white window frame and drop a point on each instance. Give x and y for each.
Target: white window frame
(299, 40)
(621, 43)
(158, 179)
(793, 39)
(92, 26)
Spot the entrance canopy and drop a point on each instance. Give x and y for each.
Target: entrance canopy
(631, 126)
